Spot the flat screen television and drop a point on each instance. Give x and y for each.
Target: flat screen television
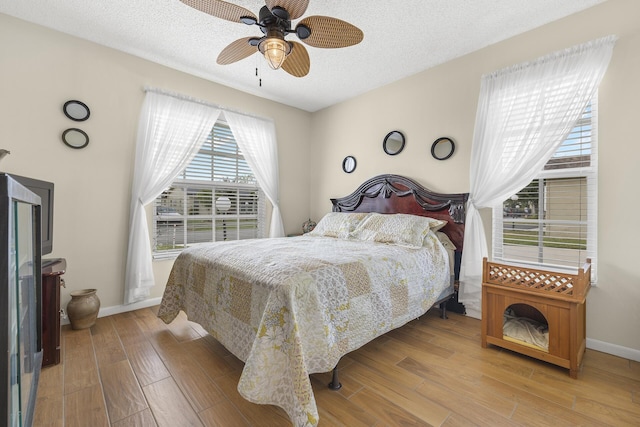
(44, 189)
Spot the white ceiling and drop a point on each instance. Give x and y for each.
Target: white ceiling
(401, 38)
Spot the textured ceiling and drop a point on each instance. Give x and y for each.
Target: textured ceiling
(401, 38)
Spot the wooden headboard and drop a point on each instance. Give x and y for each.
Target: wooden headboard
(398, 194)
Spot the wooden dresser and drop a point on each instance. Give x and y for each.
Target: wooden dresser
(52, 272)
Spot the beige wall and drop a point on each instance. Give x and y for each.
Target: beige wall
(40, 70)
(442, 102)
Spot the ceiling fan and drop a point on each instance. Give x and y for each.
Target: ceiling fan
(274, 20)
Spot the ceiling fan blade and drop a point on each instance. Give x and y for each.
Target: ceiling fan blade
(221, 9)
(327, 32)
(236, 51)
(297, 63)
(296, 8)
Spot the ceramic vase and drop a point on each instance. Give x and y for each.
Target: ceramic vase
(83, 308)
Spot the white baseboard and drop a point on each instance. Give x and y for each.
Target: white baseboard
(117, 309)
(616, 350)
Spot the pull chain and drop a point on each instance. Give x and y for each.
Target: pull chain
(258, 70)
(259, 79)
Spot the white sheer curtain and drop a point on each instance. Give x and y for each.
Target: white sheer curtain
(171, 130)
(257, 140)
(524, 113)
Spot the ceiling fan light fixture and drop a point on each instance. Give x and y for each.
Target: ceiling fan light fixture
(275, 50)
(274, 21)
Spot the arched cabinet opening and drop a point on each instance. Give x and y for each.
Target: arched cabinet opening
(526, 325)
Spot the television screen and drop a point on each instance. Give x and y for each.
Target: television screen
(43, 189)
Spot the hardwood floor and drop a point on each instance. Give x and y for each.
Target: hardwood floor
(133, 370)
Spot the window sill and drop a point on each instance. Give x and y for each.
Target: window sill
(164, 256)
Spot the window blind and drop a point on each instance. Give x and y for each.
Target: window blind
(552, 221)
(215, 198)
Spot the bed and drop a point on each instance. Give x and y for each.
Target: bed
(293, 306)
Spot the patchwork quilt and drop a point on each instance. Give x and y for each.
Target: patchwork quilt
(290, 307)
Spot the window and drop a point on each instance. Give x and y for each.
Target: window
(552, 221)
(215, 198)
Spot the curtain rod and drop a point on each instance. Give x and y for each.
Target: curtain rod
(573, 50)
(203, 102)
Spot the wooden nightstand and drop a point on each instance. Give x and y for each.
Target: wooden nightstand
(558, 298)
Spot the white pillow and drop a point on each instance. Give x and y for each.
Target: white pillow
(446, 242)
(399, 229)
(337, 224)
